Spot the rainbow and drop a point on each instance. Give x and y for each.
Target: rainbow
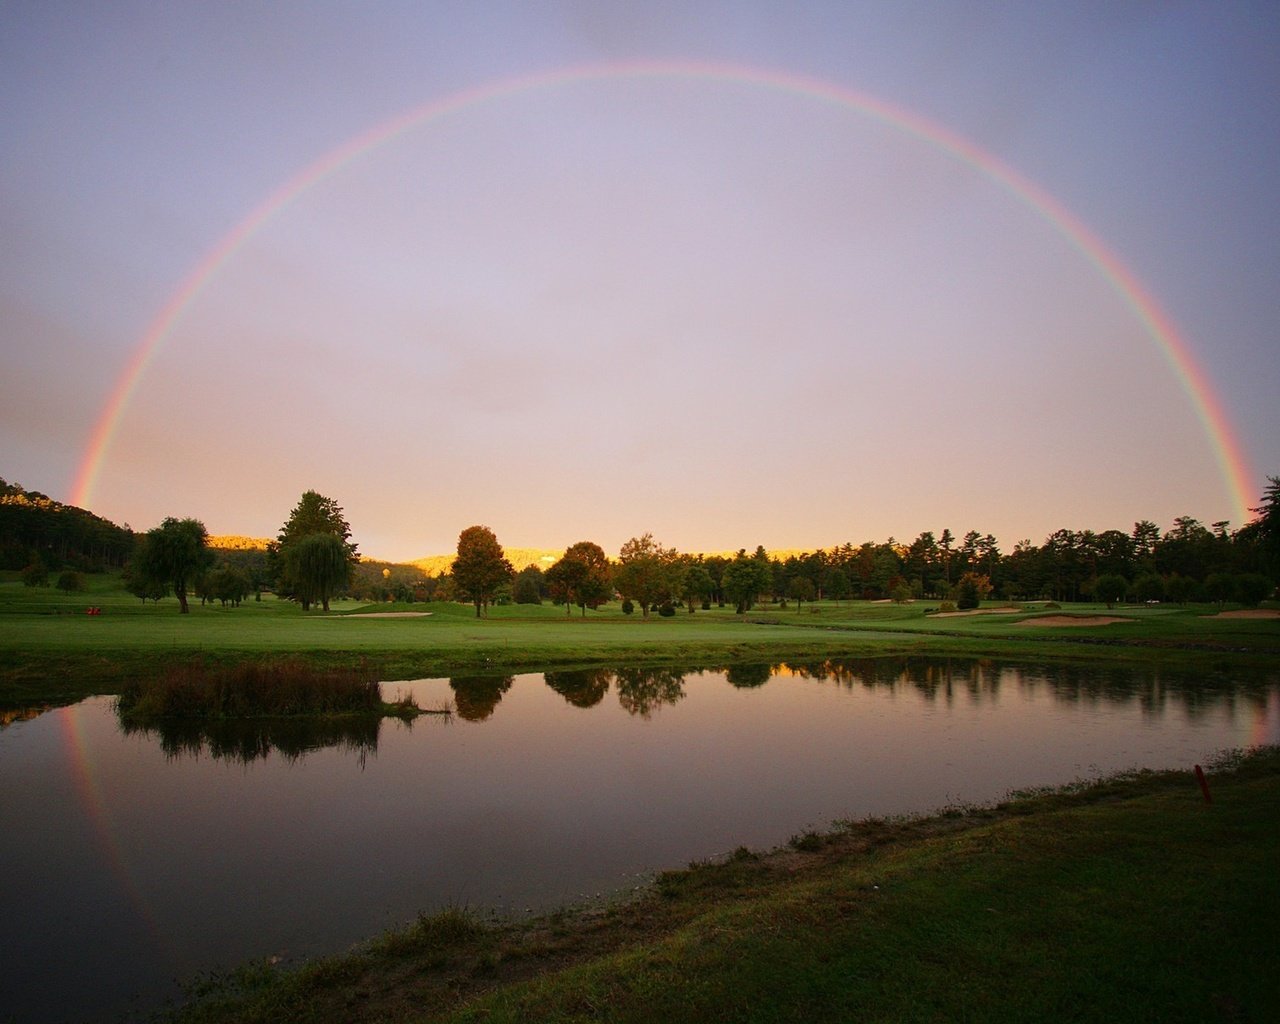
(1233, 463)
(98, 812)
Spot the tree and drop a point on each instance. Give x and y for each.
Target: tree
(1110, 588)
(314, 514)
(528, 585)
(715, 566)
(596, 584)
(697, 584)
(801, 588)
(316, 565)
(582, 576)
(971, 589)
(1252, 588)
(646, 572)
(70, 582)
(1148, 588)
(1266, 528)
(481, 567)
(944, 544)
(745, 579)
(175, 553)
(228, 584)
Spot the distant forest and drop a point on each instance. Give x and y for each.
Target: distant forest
(35, 527)
(1189, 561)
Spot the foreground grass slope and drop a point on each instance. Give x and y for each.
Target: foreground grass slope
(1127, 900)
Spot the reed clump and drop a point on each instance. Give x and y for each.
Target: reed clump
(267, 689)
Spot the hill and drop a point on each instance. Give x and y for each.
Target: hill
(233, 542)
(520, 558)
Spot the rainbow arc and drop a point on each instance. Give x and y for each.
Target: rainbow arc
(1232, 461)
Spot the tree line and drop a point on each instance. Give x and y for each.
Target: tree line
(313, 560)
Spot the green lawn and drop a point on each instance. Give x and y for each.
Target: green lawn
(51, 650)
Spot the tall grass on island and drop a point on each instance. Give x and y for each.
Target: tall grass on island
(283, 688)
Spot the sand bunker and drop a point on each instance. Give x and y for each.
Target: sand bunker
(1072, 620)
(975, 611)
(1249, 613)
(386, 615)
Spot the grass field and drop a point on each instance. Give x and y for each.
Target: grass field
(1126, 900)
(51, 650)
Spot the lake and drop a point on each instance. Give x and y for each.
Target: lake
(132, 860)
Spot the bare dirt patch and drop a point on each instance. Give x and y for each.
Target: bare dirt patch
(1248, 613)
(1072, 620)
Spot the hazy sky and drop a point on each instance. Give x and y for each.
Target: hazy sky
(591, 305)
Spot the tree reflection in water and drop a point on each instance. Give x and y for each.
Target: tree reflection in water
(475, 697)
(748, 677)
(641, 691)
(248, 740)
(583, 688)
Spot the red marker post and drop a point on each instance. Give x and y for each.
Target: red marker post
(1204, 784)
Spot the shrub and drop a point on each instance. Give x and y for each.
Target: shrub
(1110, 588)
(35, 575)
(947, 606)
(666, 609)
(628, 607)
(70, 582)
(1252, 588)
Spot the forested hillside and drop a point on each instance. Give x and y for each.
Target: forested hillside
(36, 528)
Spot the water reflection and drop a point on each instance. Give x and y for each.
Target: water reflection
(12, 715)
(1151, 687)
(119, 873)
(248, 740)
(583, 688)
(641, 691)
(748, 676)
(475, 697)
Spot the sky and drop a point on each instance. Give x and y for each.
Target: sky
(790, 274)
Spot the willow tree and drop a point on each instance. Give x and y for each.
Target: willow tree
(174, 553)
(316, 565)
(314, 515)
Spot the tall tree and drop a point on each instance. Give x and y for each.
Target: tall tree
(944, 544)
(175, 552)
(1265, 529)
(481, 566)
(314, 514)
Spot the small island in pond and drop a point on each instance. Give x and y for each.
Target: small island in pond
(266, 689)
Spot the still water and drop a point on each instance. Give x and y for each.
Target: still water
(132, 860)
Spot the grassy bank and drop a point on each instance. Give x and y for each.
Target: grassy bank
(50, 650)
(1126, 900)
